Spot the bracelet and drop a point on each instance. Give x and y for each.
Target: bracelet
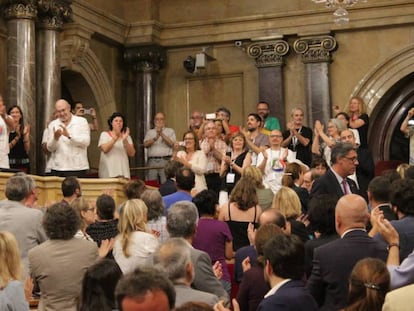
(391, 245)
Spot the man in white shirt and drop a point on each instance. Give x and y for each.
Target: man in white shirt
(68, 140)
(6, 122)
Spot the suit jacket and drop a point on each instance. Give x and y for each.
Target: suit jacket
(241, 254)
(328, 184)
(399, 299)
(365, 170)
(333, 263)
(291, 296)
(186, 294)
(26, 225)
(58, 266)
(204, 278)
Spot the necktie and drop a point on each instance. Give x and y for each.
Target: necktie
(345, 186)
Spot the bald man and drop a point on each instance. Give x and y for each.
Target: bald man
(68, 140)
(333, 262)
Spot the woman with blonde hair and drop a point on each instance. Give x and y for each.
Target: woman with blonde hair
(133, 246)
(287, 202)
(359, 119)
(12, 294)
(86, 213)
(264, 195)
(241, 210)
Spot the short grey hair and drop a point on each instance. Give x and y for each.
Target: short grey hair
(340, 150)
(155, 204)
(17, 188)
(182, 219)
(338, 124)
(31, 183)
(172, 258)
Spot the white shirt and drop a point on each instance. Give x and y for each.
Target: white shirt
(69, 154)
(274, 289)
(4, 144)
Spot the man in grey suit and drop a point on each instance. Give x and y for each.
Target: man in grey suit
(182, 220)
(174, 258)
(24, 222)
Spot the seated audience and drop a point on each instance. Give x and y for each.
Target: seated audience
(182, 221)
(368, 284)
(284, 270)
(184, 179)
(213, 236)
(321, 218)
(173, 258)
(86, 213)
(264, 195)
(145, 289)
(241, 210)
(287, 202)
(133, 246)
(106, 226)
(170, 171)
(156, 222)
(253, 286)
(59, 264)
(12, 291)
(195, 306)
(98, 286)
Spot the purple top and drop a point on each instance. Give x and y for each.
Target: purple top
(211, 237)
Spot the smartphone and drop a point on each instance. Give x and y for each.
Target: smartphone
(181, 143)
(210, 116)
(87, 111)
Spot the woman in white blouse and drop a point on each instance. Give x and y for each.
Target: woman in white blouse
(195, 159)
(116, 146)
(134, 245)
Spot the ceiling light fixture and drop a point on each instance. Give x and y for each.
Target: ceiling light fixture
(341, 14)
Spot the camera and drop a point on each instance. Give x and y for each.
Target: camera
(238, 43)
(210, 116)
(189, 64)
(181, 143)
(87, 111)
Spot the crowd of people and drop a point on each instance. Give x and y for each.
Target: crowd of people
(277, 220)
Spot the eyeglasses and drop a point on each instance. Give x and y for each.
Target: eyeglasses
(189, 138)
(93, 209)
(352, 159)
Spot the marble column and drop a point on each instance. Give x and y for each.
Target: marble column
(52, 14)
(269, 56)
(316, 54)
(21, 90)
(145, 61)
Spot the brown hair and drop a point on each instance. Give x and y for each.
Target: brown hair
(368, 284)
(291, 173)
(244, 194)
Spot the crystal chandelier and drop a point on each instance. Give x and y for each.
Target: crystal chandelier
(340, 14)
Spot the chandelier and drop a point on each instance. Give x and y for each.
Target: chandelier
(340, 14)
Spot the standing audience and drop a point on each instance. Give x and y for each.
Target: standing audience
(359, 119)
(19, 141)
(157, 222)
(7, 123)
(116, 146)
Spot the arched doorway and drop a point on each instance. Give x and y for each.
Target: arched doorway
(386, 140)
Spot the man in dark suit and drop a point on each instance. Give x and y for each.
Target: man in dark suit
(333, 262)
(284, 270)
(344, 162)
(365, 170)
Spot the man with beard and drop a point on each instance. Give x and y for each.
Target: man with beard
(256, 141)
(270, 123)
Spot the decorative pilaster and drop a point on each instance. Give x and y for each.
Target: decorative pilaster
(316, 54)
(145, 62)
(21, 89)
(52, 14)
(270, 58)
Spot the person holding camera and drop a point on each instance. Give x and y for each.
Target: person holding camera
(407, 127)
(80, 111)
(116, 146)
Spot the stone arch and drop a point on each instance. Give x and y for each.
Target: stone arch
(78, 57)
(385, 90)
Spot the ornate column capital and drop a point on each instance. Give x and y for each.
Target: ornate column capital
(268, 53)
(20, 9)
(52, 14)
(146, 58)
(315, 49)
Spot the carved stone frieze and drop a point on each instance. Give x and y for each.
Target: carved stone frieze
(52, 14)
(16, 9)
(315, 49)
(268, 53)
(146, 58)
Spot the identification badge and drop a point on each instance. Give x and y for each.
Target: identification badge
(230, 177)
